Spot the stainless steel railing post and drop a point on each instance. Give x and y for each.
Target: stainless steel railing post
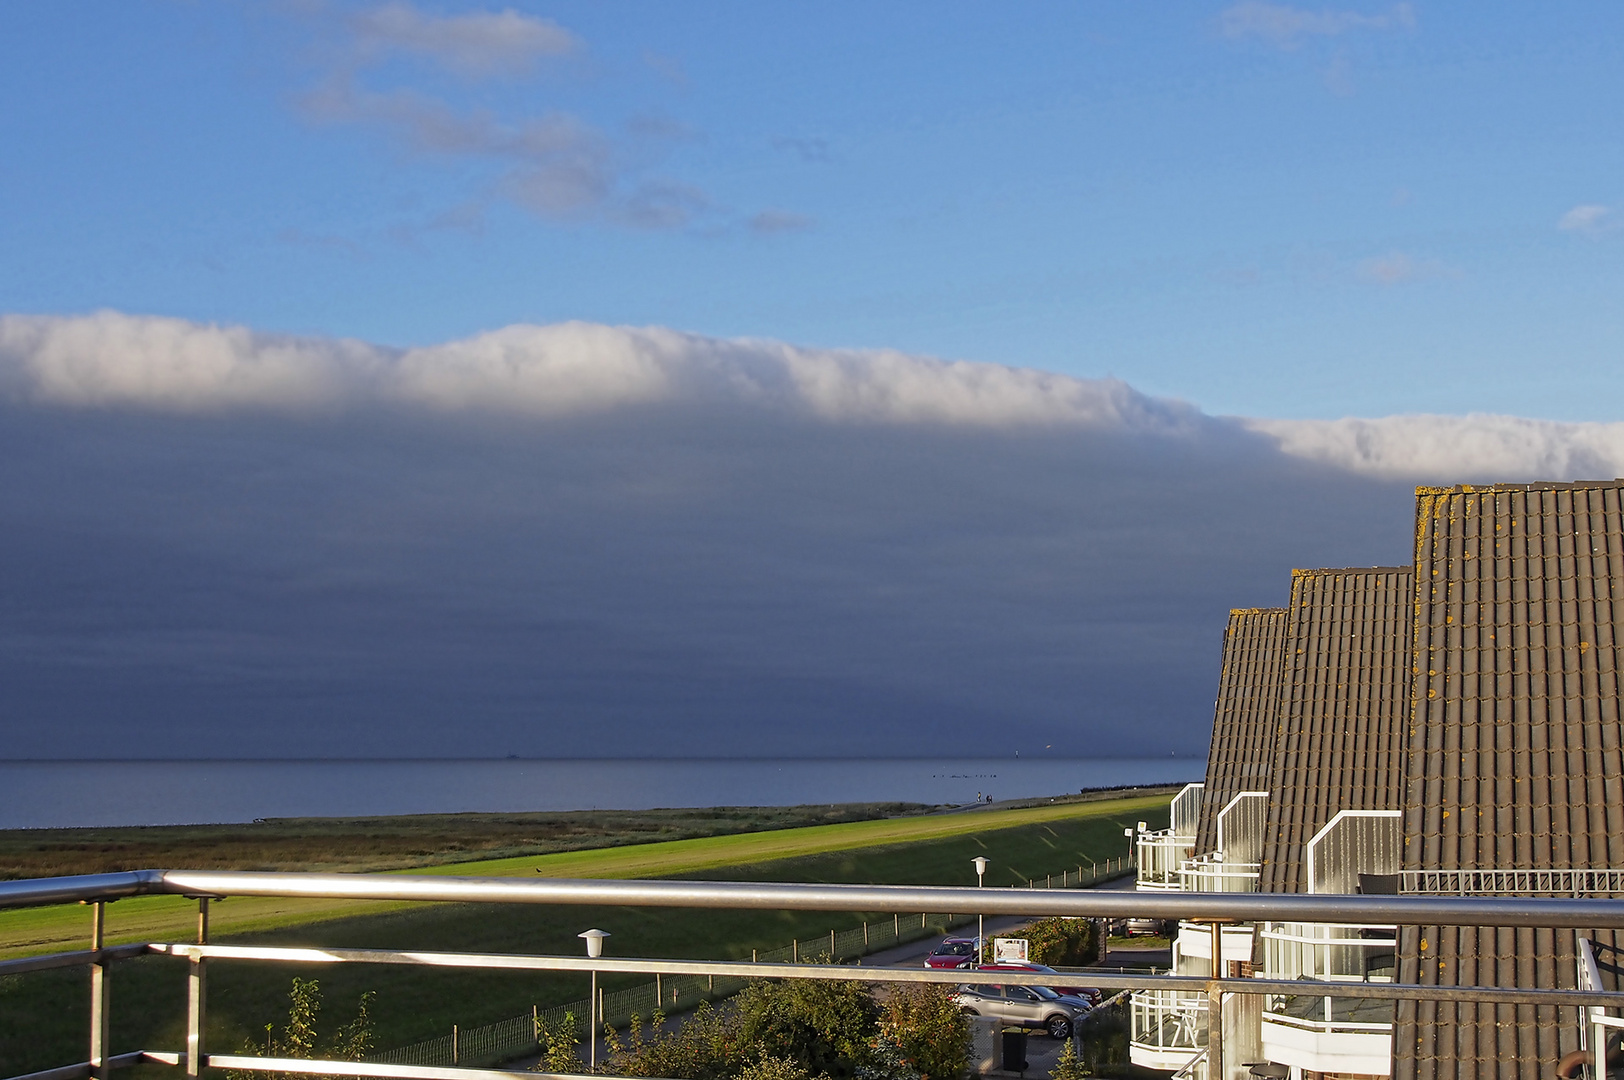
(101, 1004)
(196, 986)
(1215, 1007)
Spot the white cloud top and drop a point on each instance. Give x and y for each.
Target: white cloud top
(114, 360)
(1453, 449)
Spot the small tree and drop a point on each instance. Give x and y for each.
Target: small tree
(300, 1037)
(1070, 1066)
(560, 1046)
(929, 1029)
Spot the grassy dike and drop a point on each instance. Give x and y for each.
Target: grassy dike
(43, 1014)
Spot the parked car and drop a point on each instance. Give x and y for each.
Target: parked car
(1024, 1006)
(1138, 927)
(953, 952)
(1090, 994)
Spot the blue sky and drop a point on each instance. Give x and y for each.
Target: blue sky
(1266, 210)
(394, 378)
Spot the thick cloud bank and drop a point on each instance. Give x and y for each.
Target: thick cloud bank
(111, 359)
(115, 360)
(589, 540)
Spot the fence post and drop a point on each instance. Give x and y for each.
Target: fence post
(794, 951)
(659, 994)
(833, 956)
(753, 959)
(454, 1044)
(865, 936)
(897, 929)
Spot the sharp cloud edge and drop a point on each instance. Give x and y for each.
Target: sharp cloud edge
(1455, 449)
(110, 359)
(114, 360)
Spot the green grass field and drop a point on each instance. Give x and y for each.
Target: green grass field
(164, 918)
(394, 843)
(44, 1013)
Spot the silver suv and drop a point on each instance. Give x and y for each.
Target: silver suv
(1024, 1006)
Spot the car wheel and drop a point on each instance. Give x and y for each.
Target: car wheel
(967, 1011)
(1059, 1027)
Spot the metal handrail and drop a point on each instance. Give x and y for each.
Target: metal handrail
(1243, 907)
(1406, 910)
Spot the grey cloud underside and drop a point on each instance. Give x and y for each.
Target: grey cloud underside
(883, 555)
(686, 584)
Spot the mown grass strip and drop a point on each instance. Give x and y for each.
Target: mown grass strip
(38, 930)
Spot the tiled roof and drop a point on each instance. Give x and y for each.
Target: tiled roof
(1514, 748)
(1244, 720)
(1343, 711)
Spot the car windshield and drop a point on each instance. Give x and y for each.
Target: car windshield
(1041, 991)
(957, 948)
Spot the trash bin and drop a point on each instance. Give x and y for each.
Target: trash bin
(1014, 1050)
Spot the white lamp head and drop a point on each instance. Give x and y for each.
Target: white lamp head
(981, 864)
(594, 942)
(1144, 826)
(1127, 832)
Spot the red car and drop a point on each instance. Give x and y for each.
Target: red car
(953, 952)
(1090, 994)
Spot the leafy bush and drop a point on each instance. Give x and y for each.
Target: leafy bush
(1058, 942)
(825, 1027)
(705, 1047)
(929, 1029)
(771, 1068)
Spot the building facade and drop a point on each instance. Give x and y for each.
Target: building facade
(1449, 725)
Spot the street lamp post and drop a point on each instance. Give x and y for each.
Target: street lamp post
(594, 949)
(981, 926)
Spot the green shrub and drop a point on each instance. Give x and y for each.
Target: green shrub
(1058, 942)
(827, 1028)
(929, 1029)
(706, 1047)
(771, 1068)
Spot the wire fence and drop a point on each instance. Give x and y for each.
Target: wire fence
(516, 1036)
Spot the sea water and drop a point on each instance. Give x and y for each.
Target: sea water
(45, 794)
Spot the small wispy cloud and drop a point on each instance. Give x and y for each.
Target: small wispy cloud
(1287, 27)
(1397, 267)
(1590, 219)
(551, 163)
(769, 222)
(477, 44)
(810, 150)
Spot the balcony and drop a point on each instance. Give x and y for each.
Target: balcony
(1169, 1028)
(1329, 1034)
(1160, 857)
(1213, 873)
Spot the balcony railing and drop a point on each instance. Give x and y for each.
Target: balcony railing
(1169, 1021)
(1211, 873)
(1558, 882)
(194, 1055)
(1160, 855)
